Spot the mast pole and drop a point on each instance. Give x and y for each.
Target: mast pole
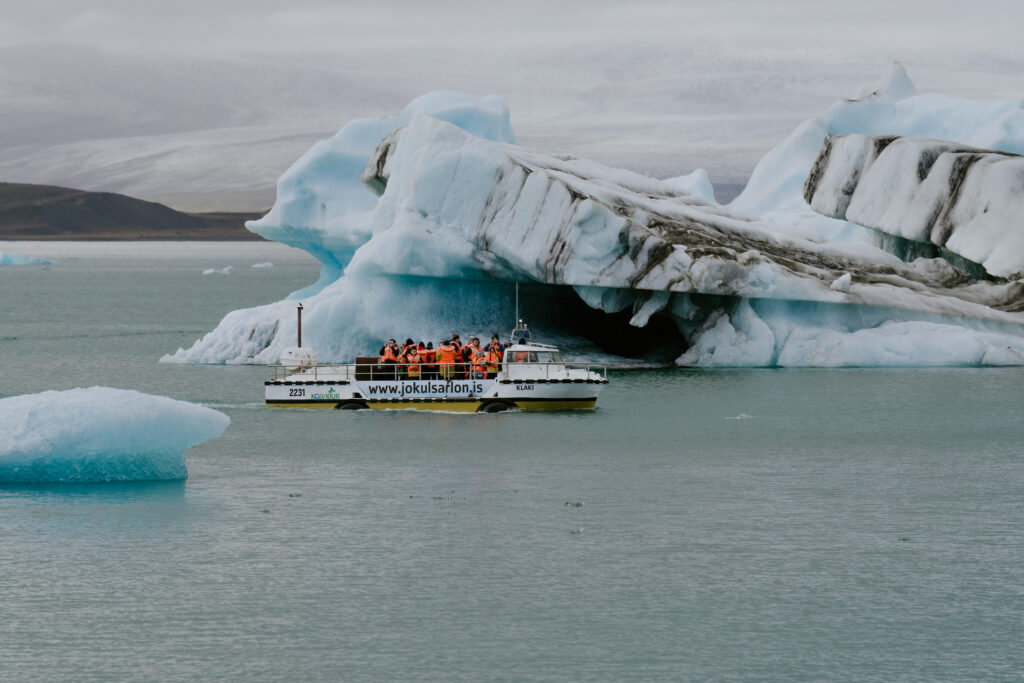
(517, 304)
(299, 311)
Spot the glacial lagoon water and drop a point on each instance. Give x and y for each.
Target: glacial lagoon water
(727, 525)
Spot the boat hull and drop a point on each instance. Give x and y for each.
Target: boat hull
(437, 395)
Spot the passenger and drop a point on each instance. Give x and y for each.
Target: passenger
(492, 359)
(467, 359)
(390, 357)
(456, 342)
(429, 356)
(412, 361)
(521, 356)
(495, 343)
(446, 359)
(403, 349)
(478, 370)
(495, 350)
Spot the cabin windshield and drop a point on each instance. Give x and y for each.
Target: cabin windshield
(532, 356)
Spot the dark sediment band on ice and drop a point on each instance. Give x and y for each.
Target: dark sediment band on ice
(566, 221)
(968, 202)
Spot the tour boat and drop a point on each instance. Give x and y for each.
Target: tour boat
(531, 376)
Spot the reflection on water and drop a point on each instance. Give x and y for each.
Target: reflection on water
(88, 493)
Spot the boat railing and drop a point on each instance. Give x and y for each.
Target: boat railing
(392, 371)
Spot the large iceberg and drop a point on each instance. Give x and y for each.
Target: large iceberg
(449, 211)
(889, 106)
(323, 208)
(100, 434)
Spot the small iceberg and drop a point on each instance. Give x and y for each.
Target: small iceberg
(264, 264)
(100, 434)
(7, 259)
(226, 270)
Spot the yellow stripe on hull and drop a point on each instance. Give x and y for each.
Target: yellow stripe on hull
(448, 406)
(584, 404)
(325, 405)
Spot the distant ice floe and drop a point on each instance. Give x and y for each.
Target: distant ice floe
(8, 259)
(421, 221)
(226, 270)
(100, 434)
(264, 264)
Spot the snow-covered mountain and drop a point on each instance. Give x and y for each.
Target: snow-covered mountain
(211, 132)
(422, 221)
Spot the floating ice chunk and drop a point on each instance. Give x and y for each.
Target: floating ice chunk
(264, 264)
(226, 270)
(7, 259)
(100, 434)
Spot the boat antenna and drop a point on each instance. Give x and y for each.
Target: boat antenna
(517, 302)
(299, 311)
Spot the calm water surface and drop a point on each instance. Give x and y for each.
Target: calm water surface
(730, 525)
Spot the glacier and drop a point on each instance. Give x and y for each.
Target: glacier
(100, 434)
(9, 259)
(423, 220)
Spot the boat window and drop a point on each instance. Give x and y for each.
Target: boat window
(518, 356)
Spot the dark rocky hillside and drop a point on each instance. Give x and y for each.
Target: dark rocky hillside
(44, 212)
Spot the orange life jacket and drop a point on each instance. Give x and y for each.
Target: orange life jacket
(493, 359)
(389, 355)
(412, 364)
(478, 359)
(445, 355)
(522, 356)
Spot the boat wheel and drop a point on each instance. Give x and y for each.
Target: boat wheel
(497, 407)
(350, 405)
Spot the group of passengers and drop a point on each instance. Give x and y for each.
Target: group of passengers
(450, 360)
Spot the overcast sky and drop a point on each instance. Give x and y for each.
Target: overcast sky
(659, 86)
(219, 27)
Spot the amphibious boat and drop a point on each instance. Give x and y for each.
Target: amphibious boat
(531, 376)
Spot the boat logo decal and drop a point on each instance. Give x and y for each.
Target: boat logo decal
(426, 388)
(331, 395)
